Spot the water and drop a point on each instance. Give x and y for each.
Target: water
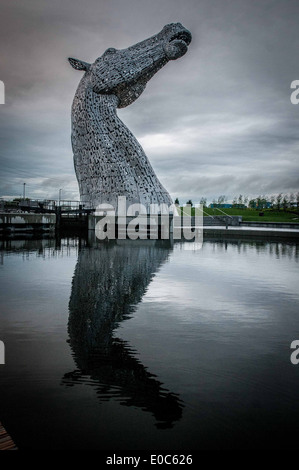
(143, 345)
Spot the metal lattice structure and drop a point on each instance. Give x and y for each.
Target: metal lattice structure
(109, 161)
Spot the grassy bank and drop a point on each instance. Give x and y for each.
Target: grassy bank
(252, 215)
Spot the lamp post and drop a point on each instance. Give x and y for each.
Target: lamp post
(24, 185)
(59, 197)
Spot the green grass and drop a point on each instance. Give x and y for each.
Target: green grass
(252, 215)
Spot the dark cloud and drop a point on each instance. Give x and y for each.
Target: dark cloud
(217, 121)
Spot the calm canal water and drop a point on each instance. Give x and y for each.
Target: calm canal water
(144, 345)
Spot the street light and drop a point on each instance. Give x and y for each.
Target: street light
(59, 197)
(24, 185)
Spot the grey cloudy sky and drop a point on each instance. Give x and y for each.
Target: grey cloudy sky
(217, 121)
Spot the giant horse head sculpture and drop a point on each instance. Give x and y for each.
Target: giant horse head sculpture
(109, 162)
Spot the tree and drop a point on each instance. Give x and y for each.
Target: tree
(177, 201)
(297, 200)
(240, 199)
(259, 202)
(285, 202)
(278, 201)
(203, 201)
(272, 200)
(190, 202)
(263, 202)
(292, 199)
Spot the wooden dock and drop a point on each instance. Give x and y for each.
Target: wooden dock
(6, 442)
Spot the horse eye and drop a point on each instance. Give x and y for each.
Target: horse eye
(110, 50)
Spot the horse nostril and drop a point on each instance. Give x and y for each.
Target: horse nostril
(182, 36)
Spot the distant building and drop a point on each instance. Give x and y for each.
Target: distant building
(239, 206)
(221, 206)
(260, 204)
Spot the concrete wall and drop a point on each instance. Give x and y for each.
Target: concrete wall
(253, 233)
(219, 220)
(292, 225)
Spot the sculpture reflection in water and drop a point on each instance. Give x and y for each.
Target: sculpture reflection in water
(110, 279)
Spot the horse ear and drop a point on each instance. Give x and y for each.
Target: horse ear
(78, 64)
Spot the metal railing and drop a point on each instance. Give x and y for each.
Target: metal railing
(204, 212)
(44, 205)
(209, 215)
(227, 215)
